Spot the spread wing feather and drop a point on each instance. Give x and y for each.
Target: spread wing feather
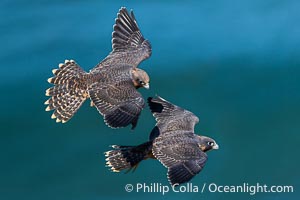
(170, 117)
(119, 103)
(127, 37)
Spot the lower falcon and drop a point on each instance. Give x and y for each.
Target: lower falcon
(172, 141)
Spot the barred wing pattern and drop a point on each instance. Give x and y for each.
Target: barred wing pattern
(127, 37)
(170, 117)
(181, 154)
(176, 146)
(117, 100)
(112, 91)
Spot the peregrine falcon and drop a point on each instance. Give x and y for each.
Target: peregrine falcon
(111, 85)
(172, 141)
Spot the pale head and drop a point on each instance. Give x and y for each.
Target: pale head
(140, 78)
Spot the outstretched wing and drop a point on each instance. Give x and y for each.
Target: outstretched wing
(128, 38)
(185, 171)
(170, 117)
(181, 154)
(119, 103)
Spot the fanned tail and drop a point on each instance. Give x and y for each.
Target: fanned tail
(69, 91)
(127, 157)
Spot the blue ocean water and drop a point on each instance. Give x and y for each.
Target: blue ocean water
(235, 64)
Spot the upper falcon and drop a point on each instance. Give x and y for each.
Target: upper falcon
(111, 85)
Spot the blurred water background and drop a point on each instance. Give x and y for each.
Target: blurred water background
(235, 64)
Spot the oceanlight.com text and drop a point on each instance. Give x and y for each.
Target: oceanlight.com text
(247, 188)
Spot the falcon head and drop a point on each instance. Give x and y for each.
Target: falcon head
(140, 78)
(207, 143)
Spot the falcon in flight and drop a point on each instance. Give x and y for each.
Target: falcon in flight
(172, 142)
(111, 85)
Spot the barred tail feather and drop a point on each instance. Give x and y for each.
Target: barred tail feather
(127, 157)
(69, 91)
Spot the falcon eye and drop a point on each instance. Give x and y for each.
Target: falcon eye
(211, 143)
(142, 83)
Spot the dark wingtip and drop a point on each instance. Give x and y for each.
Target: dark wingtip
(134, 123)
(149, 99)
(154, 106)
(154, 133)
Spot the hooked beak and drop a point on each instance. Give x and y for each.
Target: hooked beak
(216, 146)
(146, 86)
